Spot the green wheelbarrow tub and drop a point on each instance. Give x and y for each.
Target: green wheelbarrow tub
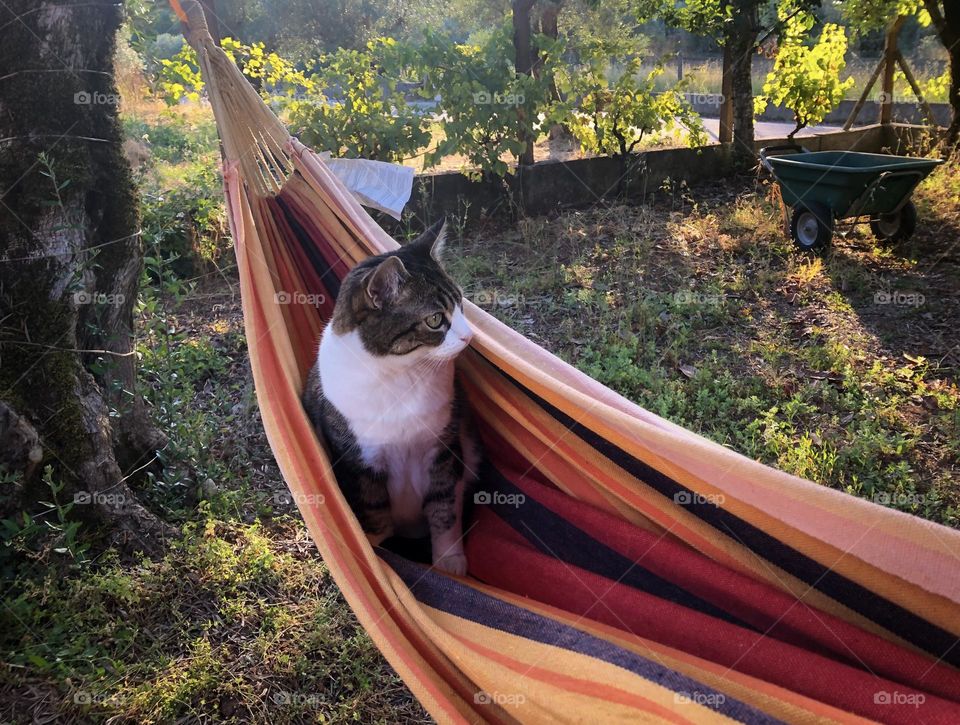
(849, 183)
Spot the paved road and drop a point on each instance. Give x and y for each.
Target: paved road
(768, 129)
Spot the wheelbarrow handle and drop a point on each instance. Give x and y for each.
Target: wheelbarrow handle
(766, 151)
(867, 194)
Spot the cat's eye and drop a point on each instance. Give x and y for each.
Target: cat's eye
(434, 321)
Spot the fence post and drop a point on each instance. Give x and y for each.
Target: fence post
(890, 53)
(726, 91)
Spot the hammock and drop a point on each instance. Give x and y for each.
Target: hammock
(621, 568)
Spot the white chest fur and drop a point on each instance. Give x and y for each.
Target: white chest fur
(397, 412)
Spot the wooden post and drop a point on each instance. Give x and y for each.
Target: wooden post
(726, 90)
(864, 95)
(927, 111)
(523, 63)
(889, 66)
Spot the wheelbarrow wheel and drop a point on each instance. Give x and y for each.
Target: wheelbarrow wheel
(811, 226)
(896, 227)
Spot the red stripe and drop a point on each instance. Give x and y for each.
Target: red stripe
(778, 614)
(500, 556)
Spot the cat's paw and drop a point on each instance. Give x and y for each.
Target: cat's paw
(455, 564)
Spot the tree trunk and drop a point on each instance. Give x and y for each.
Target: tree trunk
(523, 63)
(549, 27)
(889, 68)
(742, 39)
(726, 90)
(946, 20)
(953, 131)
(70, 259)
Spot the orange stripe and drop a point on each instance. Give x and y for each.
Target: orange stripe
(745, 687)
(178, 10)
(589, 688)
(292, 442)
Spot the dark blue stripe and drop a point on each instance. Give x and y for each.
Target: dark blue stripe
(887, 614)
(309, 245)
(448, 595)
(557, 538)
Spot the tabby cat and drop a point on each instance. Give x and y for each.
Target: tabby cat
(383, 394)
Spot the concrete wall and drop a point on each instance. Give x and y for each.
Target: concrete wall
(549, 186)
(908, 112)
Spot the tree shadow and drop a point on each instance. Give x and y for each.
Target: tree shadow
(907, 295)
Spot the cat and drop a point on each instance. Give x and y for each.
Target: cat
(383, 395)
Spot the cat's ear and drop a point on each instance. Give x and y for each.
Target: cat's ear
(433, 239)
(383, 284)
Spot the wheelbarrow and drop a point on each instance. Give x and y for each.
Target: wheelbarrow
(824, 187)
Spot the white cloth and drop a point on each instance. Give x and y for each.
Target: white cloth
(377, 184)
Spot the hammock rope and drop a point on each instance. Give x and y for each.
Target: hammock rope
(622, 568)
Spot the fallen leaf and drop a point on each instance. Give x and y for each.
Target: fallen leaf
(688, 370)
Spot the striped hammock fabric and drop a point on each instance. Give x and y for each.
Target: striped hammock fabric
(622, 569)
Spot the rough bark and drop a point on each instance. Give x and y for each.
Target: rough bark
(946, 19)
(726, 90)
(70, 258)
(549, 26)
(952, 138)
(742, 39)
(523, 61)
(890, 41)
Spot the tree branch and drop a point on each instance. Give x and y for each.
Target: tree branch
(933, 8)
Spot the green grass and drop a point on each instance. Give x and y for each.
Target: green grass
(693, 305)
(697, 308)
(239, 620)
(232, 624)
(176, 157)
